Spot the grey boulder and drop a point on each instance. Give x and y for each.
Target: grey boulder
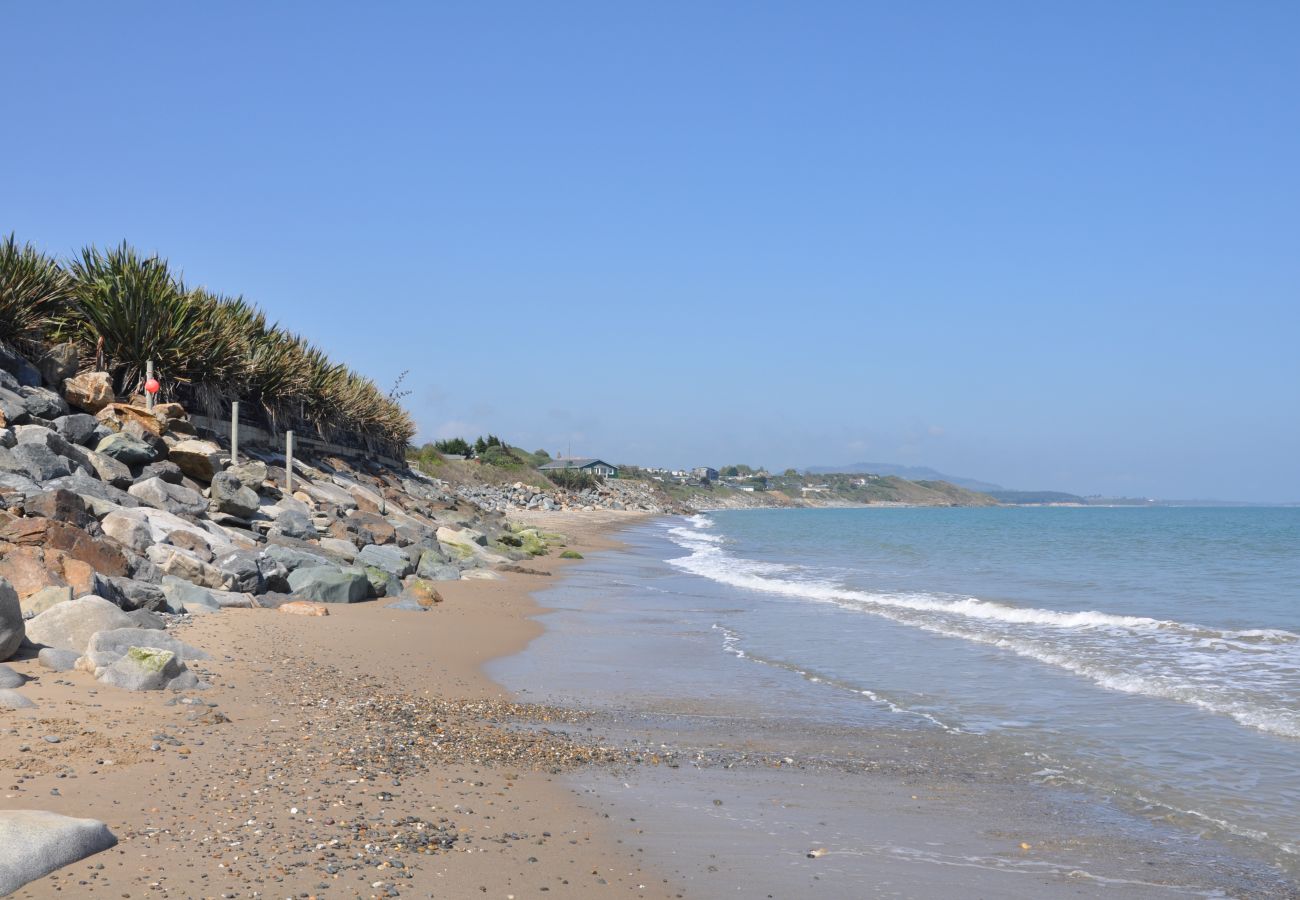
(58, 660)
(41, 463)
(70, 625)
(12, 627)
(146, 669)
(10, 679)
(329, 584)
(34, 843)
(10, 699)
(120, 640)
(386, 557)
(230, 496)
(76, 428)
(126, 449)
(173, 498)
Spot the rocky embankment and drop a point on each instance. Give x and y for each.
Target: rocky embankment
(117, 522)
(638, 496)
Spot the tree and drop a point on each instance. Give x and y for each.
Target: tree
(453, 447)
(790, 473)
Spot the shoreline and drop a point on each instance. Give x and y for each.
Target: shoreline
(360, 754)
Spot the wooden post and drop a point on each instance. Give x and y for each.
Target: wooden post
(148, 377)
(234, 433)
(288, 462)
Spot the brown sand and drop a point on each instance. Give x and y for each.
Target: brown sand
(302, 793)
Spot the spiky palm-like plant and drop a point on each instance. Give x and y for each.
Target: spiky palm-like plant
(142, 312)
(34, 292)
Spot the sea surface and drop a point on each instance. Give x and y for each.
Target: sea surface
(1146, 656)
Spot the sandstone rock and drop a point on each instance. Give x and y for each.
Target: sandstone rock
(129, 531)
(10, 679)
(198, 459)
(92, 391)
(173, 498)
(389, 559)
(372, 528)
(117, 416)
(100, 554)
(12, 627)
(421, 592)
(303, 608)
(120, 640)
(58, 660)
(251, 474)
(345, 550)
(169, 413)
(229, 495)
(193, 542)
(45, 598)
(463, 536)
(184, 565)
(126, 449)
(24, 569)
(10, 700)
(69, 626)
(328, 584)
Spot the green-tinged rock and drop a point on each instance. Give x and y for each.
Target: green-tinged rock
(150, 659)
(382, 584)
(570, 554)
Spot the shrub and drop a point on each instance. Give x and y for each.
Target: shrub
(34, 293)
(573, 479)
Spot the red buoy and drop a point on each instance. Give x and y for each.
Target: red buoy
(152, 385)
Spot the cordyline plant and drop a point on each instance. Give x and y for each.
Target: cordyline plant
(123, 309)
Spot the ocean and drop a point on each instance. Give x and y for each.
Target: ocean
(1145, 658)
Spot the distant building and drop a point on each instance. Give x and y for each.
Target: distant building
(703, 472)
(581, 464)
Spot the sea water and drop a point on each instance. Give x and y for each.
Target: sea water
(1147, 655)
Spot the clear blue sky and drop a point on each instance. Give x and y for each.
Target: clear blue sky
(1047, 245)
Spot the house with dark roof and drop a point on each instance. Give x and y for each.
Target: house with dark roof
(581, 464)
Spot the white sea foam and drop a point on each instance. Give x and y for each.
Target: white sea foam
(1248, 674)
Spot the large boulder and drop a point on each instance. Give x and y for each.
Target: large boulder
(60, 505)
(185, 565)
(139, 596)
(118, 416)
(294, 524)
(24, 569)
(429, 562)
(40, 462)
(109, 470)
(176, 499)
(34, 843)
(329, 584)
(76, 428)
(143, 669)
(46, 597)
(126, 449)
(462, 536)
(131, 532)
(198, 459)
(58, 362)
(251, 474)
(43, 403)
(293, 558)
(12, 629)
(388, 558)
(182, 596)
(69, 626)
(70, 540)
(382, 584)
(371, 528)
(230, 496)
(120, 640)
(343, 549)
(91, 391)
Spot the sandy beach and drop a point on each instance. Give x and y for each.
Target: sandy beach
(358, 754)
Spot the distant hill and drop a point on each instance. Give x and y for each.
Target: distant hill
(911, 473)
(1035, 498)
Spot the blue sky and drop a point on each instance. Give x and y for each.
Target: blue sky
(1047, 246)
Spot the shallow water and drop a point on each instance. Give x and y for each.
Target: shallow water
(1148, 656)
